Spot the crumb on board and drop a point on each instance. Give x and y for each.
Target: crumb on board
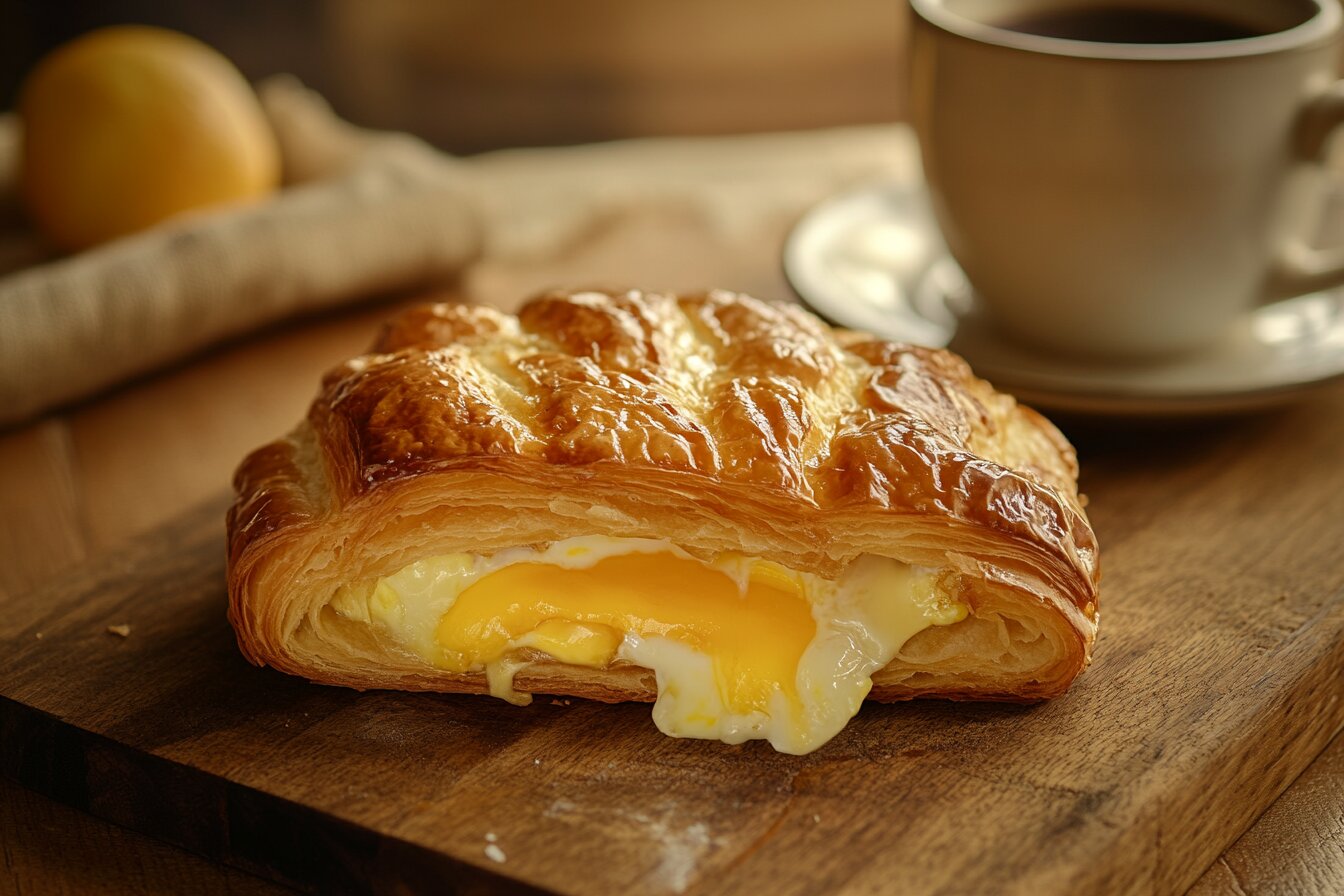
(494, 853)
(534, 761)
(121, 631)
(39, 636)
(816, 819)
(491, 837)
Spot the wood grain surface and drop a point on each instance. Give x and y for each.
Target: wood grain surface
(1297, 846)
(1202, 533)
(51, 848)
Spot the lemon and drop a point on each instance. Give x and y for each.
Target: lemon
(127, 126)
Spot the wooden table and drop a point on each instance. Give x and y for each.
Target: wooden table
(79, 483)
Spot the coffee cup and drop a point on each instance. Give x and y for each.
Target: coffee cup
(1123, 180)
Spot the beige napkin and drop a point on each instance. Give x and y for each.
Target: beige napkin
(365, 214)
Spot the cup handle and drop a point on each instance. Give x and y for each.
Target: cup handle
(1302, 269)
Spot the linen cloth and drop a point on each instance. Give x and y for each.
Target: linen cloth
(364, 214)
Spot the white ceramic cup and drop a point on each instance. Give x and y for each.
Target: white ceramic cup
(1124, 199)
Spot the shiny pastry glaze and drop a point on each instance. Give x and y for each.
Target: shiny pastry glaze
(718, 385)
(734, 400)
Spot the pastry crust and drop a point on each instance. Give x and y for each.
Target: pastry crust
(716, 421)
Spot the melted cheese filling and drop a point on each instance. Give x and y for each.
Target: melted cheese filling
(741, 648)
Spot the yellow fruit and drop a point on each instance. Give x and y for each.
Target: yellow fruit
(126, 126)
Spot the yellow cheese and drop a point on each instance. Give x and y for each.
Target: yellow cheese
(741, 648)
(755, 635)
(569, 642)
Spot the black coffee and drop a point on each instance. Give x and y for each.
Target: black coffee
(1128, 25)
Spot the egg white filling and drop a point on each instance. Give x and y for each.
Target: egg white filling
(741, 648)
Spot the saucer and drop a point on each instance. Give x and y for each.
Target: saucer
(874, 260)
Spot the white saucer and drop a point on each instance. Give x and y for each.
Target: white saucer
(874, 260)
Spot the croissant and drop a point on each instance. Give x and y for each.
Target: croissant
(708, 501)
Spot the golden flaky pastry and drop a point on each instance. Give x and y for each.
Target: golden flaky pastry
(630, 496)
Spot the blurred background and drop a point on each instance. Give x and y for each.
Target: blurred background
(473, 75)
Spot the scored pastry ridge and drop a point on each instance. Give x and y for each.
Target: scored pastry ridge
(713, 420)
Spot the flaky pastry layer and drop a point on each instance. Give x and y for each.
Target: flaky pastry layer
(716, 421)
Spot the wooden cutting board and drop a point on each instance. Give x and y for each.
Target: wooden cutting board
(1219, 675)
